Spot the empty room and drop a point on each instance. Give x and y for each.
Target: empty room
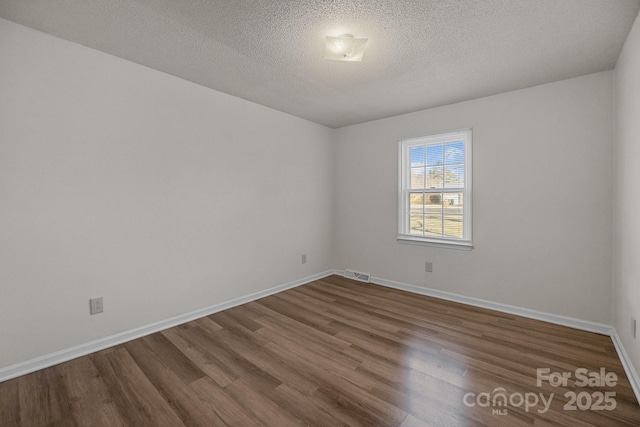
(319, 213)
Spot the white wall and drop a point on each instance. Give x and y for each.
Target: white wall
(627, 184)
(543, 179)
(160, 195)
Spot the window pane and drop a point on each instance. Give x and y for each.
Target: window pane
(434, 177)
(433, 225)
(416, 223)
(453, 226)
(416, 213)
(416, 203)
(431, 209)
(453, 215)
(454, 176)
(417, 178)
(453, 201)
(433, 214)
(433, 201)
(454, 153)
(417, 156)
(434, 155)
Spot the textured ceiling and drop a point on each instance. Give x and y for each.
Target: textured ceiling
(421, 53)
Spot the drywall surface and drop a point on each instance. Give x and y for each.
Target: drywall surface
(155, 193)
(627, 184)
(542, 213)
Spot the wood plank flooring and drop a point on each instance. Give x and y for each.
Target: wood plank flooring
(332, 353)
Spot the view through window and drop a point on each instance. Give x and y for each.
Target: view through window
(435, 188)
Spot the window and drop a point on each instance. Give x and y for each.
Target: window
(435, 189)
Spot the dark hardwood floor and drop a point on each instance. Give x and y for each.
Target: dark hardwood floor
(336, 352)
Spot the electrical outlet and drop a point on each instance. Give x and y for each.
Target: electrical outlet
(304, 258)
(633, 327)
(96, 306)
(428, 266)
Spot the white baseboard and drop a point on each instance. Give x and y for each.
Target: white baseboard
(631, 372)
(57, 357)
(584, 325)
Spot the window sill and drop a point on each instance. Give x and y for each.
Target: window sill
(463, 246)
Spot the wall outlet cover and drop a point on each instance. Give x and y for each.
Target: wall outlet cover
(96, 306)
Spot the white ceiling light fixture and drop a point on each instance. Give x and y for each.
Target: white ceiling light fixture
(345, 48)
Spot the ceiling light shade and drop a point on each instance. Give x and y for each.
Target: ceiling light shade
(345, 48)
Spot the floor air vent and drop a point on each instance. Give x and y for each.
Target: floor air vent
(363, 277)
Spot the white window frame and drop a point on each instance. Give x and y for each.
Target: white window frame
(405, 145)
